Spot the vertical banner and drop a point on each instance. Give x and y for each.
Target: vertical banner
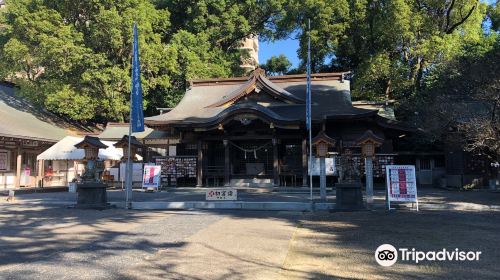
(401, 183)
(137, 114)
(151, 176)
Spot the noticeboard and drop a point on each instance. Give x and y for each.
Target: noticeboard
(151, 176)
(401, 183)
(329, 166)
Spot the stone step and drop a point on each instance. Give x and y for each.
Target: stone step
(254, 180)
(252, 183)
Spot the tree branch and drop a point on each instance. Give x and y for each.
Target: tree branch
(454, 26)
(448, 13)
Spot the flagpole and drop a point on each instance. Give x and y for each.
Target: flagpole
(136, 123)
(309, 106)
(128, 185)
(128, 194)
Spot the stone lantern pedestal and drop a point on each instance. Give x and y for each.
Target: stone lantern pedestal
(348, 191)
(349, 197)
(322, 142)
(368, 142)
(92, 195)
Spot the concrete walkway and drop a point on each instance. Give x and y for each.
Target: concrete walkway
(429, 199)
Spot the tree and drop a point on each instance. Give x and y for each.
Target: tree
(277, 65)
(73, 56)
(465, 100)
(389, 45)
(494, 15)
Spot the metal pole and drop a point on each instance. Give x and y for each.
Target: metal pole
(309, 102)
(128, 178)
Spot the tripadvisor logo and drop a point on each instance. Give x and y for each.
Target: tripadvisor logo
(387, 255)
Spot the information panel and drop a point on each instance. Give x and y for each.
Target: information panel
(151, 176)
(329, 166)
(401, 183)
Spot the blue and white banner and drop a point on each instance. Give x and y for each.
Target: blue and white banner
(137, 114)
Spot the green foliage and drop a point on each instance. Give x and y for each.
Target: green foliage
(66, 54)
(389, 45)
(277, 65)
(494, 15)
(69, 53)
(464, 98)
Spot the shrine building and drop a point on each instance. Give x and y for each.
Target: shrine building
(252, 130)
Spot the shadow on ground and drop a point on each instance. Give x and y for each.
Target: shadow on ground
(120, 244)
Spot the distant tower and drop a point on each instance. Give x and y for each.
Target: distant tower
(251, 45)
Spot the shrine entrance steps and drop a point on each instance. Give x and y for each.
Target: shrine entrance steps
(252, 183)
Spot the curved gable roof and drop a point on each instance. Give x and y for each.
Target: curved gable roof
(203, 102)
(256, 83)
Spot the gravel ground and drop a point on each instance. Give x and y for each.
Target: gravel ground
(57, 243)
(44, 242)
(342, 245)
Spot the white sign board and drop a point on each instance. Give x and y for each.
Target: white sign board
(136, 171)
(151, 176)
(329, 164)
(401, 183)
(221, 194)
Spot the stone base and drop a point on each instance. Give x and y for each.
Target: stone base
(349, 197)
(92, 195)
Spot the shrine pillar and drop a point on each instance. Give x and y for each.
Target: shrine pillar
(199, 165)
(275, 163)
(227, 166)
(304, 162)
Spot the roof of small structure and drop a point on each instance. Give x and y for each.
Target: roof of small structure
(322, 137)
(211, 101)
(124, 142)
(65, 150)
(385, 109)
(115, 131)
(91, 141)
(369, 135)
(19, 118)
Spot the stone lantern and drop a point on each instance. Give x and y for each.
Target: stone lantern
(91, 191)
(91, 146)
(134, 146)
(368, 142)
(322, 143)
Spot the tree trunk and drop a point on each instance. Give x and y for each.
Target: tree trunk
(420, 74)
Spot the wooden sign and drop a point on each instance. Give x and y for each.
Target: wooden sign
(221, 194)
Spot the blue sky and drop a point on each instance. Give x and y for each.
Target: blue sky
(287, 47)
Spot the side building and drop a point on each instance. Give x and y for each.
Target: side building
(25, 132)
